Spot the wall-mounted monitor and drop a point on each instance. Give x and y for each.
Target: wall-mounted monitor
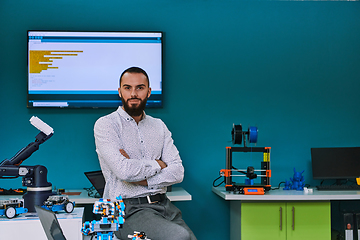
(69, 69)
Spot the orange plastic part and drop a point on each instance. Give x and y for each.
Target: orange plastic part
(225, 172)
(254, 191)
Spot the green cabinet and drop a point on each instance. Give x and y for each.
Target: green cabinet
(285, 220)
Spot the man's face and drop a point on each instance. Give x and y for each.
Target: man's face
(134, 92)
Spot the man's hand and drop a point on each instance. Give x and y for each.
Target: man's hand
(142, 183)
(122, 151)
(161, 163)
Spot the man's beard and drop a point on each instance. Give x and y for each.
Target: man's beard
(133, 110)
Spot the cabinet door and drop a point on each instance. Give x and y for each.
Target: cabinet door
(263, 220)
(308, 220)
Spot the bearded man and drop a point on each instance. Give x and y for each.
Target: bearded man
(139, 161)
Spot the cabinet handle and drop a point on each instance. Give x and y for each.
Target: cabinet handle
(293, 218)
(280, 218)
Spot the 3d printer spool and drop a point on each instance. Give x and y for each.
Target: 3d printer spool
(236, 134)
(253, 134)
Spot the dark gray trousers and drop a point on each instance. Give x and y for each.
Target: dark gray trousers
(159, 221)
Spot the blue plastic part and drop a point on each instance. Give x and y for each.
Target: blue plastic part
(105, 235)
(297, 182)
(253, 134)
(249, 181)
(287, 185)
(21, 210)
(112, 215)
(54, 208)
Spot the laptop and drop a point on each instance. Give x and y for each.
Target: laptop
(50, 224)
(97, 180)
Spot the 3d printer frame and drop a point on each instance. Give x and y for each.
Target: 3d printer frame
(247, 188)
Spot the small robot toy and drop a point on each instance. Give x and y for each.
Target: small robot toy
(57, 203)
(12, 207)
(138, 236)
(112, 218)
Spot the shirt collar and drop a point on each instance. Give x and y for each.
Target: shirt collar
(126, 116)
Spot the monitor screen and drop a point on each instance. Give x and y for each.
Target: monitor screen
(82, 69)
(335, 163)
(50, 224)
(97, 180)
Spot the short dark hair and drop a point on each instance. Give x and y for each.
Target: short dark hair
(134, 70)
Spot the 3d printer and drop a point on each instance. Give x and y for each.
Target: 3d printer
(248, 187)
(34, 177)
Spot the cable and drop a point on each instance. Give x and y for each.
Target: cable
(278, 186)
(219, 183)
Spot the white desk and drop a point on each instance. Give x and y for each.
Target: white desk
(274, 197)
(27, 226)
(289, 195)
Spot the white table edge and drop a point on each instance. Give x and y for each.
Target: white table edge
(289, 195)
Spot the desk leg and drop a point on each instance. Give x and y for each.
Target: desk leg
(235, 220)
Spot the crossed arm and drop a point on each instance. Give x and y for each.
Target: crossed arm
(143, 182)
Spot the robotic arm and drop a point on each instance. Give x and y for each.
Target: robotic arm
(34, 177)
(45, 133)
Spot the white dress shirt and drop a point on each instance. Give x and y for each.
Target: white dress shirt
(144, 143)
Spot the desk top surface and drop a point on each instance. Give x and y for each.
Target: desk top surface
(177, 194)
(289, 195)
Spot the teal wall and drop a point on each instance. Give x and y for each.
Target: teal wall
(291, 68)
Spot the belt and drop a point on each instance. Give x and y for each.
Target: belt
(148, 199)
